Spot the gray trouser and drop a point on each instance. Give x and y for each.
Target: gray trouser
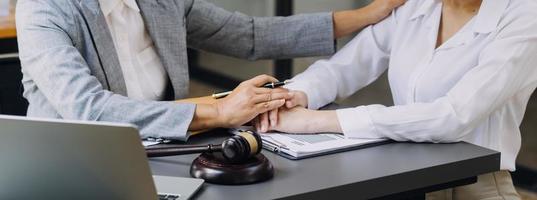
(493, 186)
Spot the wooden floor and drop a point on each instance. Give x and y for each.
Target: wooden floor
(527, 195)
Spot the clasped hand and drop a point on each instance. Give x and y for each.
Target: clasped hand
(294, 117)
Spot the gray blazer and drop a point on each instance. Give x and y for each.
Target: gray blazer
(71, 69)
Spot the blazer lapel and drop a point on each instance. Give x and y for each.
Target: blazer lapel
(165, 24)
(104, 45)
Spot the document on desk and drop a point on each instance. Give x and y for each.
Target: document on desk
(149, 143)
(300, 146)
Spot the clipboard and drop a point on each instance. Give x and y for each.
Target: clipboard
(276, 149)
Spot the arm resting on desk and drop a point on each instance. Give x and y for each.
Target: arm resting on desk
(505, 68)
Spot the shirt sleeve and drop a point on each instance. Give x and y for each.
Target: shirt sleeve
(59, 73)
(216, 30)
(507, 66)
(357, 65)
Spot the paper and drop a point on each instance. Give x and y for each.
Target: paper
(304, 145)
(154, 141)
(149, 143)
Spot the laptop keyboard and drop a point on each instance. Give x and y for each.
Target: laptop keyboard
(168, 197)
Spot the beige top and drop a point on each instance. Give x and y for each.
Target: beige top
(145, 76)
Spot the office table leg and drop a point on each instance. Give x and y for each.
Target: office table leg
(8, 45)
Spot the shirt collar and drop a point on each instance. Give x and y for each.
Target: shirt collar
(108, 5)
(486, 21)
(426, 8)
(489, 16)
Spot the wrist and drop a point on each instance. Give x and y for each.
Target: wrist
(220, 119)
(302, 99)
(350, 21)
(366, 14)
(323, 121)
(206, 116)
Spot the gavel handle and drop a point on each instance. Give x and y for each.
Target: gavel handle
(162, 152)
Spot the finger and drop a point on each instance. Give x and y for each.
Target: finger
(268, 106)
(261, 80)
(290, 103)
(270, 97)
(273, 117)
(256, 124)
(259, 124)
(268, 90)
(264, 122)
(299, 99)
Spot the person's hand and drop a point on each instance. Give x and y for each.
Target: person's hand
(249, 100)
(380, 9)
(268, 119)
(350, 21)
(302, 120)
(298, 98)
(289, 120)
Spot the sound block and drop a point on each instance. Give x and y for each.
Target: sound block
(214, 168)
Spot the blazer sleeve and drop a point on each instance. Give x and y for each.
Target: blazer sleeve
(234, 34)
(59, 72)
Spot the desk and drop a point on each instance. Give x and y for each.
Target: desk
(389, 171)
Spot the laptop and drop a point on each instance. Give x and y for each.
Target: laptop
(55, 159)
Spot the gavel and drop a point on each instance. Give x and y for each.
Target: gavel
(237, 148)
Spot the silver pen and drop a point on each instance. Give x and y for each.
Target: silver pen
(271, 85)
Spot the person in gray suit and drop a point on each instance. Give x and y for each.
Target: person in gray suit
(124, 60)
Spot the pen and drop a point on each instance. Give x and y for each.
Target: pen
(270, 85)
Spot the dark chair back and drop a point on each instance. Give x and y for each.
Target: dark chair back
(11, 100)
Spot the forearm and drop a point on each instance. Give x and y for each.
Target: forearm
(323, 121)
(347, 22)
(198, 100)
(350, 21)
(205, 117)
(213, 29)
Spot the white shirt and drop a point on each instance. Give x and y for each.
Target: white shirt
(474, 88)
(145, 76)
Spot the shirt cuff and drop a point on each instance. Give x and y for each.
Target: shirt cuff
(174, 124)
(356, 123)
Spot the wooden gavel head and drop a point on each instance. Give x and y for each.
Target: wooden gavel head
(236, 149)
(242, 146)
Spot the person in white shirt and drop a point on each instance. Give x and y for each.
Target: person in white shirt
(459, 70)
